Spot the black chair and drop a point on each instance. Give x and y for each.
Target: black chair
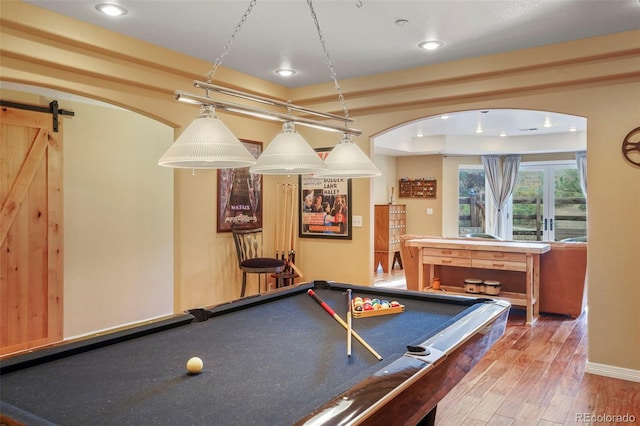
(482, 235)
(250, 257)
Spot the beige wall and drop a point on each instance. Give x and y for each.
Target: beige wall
(419, 222)
(598, 79)
(382, 184)
(118, 215)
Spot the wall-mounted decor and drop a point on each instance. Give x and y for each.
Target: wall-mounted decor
(325, 205)
(240, 194)
(631, 147)
(417, 188)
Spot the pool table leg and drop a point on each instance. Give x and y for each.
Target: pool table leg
(429, 419)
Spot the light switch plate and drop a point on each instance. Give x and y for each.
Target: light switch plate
(356, 221)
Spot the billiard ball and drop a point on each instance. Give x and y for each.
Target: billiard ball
(194, 365)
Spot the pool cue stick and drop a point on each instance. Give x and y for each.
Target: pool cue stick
(287, 230)
(291, 207)
(284, 221)
(276, 232)
(342, 323)
(294, 208)
(349, 329)
(294, 238)
(290, 221)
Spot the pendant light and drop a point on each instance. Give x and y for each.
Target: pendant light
(347, 160)
(288, 153)
(207, 144)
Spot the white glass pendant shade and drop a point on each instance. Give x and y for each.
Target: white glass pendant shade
(288, 154)
(347, 160)
(207, 144)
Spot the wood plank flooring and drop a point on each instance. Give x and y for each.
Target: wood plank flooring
(535, 376)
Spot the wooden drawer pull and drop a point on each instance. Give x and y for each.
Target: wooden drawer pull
(499, 265)
(447, 261)
(446, 252)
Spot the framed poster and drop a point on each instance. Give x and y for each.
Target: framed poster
(325, 205)
(240, 194)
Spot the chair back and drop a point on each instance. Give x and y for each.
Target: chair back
(248, 243)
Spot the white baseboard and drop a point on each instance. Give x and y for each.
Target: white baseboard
(614, 372)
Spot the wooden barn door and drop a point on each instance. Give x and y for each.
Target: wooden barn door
(31, 261)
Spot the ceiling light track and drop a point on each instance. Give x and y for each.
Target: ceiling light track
(238, 108)
(268, 101)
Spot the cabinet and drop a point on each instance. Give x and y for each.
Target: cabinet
(390, 221)
(503, 260)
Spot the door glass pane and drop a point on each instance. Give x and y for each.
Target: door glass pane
(528, 205)
(570, 218)
(471, 201)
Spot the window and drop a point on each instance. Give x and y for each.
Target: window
(547, 203)
(471, 196)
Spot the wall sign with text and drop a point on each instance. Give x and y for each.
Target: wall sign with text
(240, 195)
(325, 210)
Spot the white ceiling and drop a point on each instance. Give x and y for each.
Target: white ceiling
(361, 36)
(503, 130)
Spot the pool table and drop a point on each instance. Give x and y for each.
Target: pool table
(275, 359)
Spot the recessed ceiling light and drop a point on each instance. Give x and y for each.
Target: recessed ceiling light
(111, 9)
(573, 129)
(430, 44)
(503, 134)
(285, 72)
(444, 117)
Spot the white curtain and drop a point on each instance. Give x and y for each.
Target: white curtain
(581, 160)
(501, 177)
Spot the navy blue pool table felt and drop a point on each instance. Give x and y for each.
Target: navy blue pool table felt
(263, 362)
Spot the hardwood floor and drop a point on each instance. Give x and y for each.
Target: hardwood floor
(535, 376)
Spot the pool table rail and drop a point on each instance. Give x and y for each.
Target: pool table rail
(409, 389)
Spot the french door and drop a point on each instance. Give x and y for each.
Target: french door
(548, 204)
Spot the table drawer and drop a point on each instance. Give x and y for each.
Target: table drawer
(500, 255)
(443, 252)
(446, 261)
(499, 264)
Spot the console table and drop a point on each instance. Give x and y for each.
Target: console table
(494, 255)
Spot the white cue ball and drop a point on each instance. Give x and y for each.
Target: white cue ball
(194, 365)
